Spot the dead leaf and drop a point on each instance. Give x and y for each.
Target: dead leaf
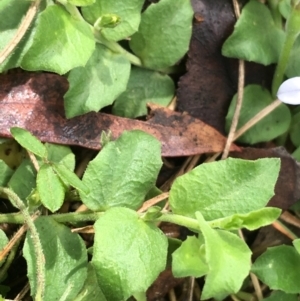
(205, 90)
(287, 189)
(34, 101)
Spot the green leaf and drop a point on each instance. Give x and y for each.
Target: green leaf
(81, 2)
(70, 177)
(28, 141)
(144, 86)
(284, 6)
(281, 296)
(5, 173)
(251, 221)
(9, 27)
(65, 260)
(294, 129)
(225, 188)
(228, 259)
(189, 259)
(129, 11)
(293, 67)
(91, 289)
(164, 33)
(106, 74)
(66, 44)
(273, 125)
(3, 242)
(296, 154)
(128, 253)
(296, 243)
(50, 188)
(247, 41)
(61, 154)
(279, 268)
(123, 172)
(23, 180)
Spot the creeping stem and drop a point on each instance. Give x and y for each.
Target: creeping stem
(17, 202)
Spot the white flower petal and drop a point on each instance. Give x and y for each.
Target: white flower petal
(289, 91)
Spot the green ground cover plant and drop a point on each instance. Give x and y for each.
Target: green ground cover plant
(214, 201)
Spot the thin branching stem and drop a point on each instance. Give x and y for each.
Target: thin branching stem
(33, 160)
(240, 92)
(259, 116)
(4, 54)
(17, 202)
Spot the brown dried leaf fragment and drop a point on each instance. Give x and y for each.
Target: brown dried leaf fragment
(34, 101)
(205, 90)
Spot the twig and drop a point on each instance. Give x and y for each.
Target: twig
(4, 54)
(9, 260)
(241, 83)
(18, 235)
(153, 201)
(284, 230)
(236, 8)
(33, 160)
(253, 277)
(212, 158)
(172, 296)
(256, 286)
(191, 289)
(22, 293)
(290, 219)
(237, 111)
(257, 118)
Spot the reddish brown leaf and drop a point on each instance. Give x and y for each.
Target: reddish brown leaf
(206, 90)
(35, 102)
(287, 189)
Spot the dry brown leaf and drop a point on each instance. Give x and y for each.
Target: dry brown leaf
(34, 101)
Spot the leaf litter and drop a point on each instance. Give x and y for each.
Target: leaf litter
(35, 102)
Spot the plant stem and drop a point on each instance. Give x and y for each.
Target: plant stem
(237, 111)
(73, 217)
(284, 230)
(292, 32)
(153, 201)
(17, 202)
(115, 47)
(260, 115)
(240, 94)
(76, 217)
(184, 221)
(12, 218)
(4, 54)
(9, 261)
(245, 296)
(73, 10)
